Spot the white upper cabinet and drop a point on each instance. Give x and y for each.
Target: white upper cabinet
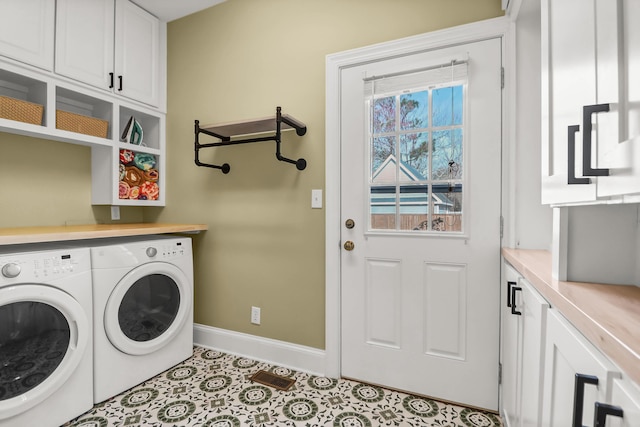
(84, 41)
(137, 58)
(27, 31)
(112, 48)
(589, 100)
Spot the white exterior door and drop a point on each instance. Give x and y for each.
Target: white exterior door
(420, 287)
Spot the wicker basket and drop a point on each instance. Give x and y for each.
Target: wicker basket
(22, 111)
(81, 124)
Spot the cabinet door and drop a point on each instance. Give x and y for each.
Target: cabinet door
(137, 60)
(534, 321)
(510, 350)
(568, 354)
(626, 396)
(84, 41)
(568, 83)
(620, 153)
(26, 31)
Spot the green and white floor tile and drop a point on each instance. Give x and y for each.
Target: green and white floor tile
(213, 389)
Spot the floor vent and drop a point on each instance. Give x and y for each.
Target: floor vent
(273, 380)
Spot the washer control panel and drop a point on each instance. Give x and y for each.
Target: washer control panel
(43, 265)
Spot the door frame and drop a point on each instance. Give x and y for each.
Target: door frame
(502, 27)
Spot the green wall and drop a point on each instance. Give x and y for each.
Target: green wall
(236, 61)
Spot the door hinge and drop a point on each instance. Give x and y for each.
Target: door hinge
(501, 226)
(501, 77)
(499, 373)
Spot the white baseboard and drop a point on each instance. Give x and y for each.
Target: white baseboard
(281, 353)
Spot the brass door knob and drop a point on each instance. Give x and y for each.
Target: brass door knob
(348, 245)
(349, 223)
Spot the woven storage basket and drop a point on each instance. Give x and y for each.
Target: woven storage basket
(81, 124)
(22, 111)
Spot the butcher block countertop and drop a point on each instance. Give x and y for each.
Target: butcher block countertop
(19, 235)
(608, 315)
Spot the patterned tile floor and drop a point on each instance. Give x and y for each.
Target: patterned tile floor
(212, 389)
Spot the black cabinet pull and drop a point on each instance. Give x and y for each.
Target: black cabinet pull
(509, 285)
(119, 83)
(587, 112)
(515, 289)
(601, 412)
(110, 80)
(578, 397)
(571, 158)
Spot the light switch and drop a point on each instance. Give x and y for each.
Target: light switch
(316, 199)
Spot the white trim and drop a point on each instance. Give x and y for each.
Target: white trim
(335, 63)
(293, 356)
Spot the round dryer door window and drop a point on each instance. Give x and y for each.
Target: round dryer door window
(147, 308)
(43, 334)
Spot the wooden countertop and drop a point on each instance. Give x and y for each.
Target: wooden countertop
(19, 235)
(608, 315)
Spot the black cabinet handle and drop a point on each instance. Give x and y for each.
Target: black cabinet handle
(110, 80)
(509, 285)
(578, 397)
(119, 83)
(571, 157)
(601, 412)
(587, 112)
(515, 289)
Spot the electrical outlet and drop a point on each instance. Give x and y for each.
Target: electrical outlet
(255, 315)
(115, 213)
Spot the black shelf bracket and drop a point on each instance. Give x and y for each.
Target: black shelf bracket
(281, 120)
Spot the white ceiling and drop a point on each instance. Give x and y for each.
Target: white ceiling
(169, 10)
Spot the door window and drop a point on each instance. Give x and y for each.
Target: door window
(149, 307)
(416, 173)
(34, 338)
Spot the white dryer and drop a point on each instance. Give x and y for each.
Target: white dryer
(46, 355)
(143, 309)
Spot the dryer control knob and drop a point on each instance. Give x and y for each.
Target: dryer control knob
(151, 252)
(11, 270)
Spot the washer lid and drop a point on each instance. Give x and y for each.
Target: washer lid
(148, 308)
(37, 322)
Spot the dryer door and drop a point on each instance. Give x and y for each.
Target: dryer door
(44, 333)
(148, 308)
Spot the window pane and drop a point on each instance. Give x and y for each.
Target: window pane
(447, 207)
(383, 165)
(414, 110)
(383, 207)
(447, 106)
(414, 152)
(384, 115)
(447, 148)
(414, 207)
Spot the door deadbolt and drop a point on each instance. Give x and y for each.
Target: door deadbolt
(349, 223)
(348, 245)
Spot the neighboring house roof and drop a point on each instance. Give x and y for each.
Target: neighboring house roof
(386, 172)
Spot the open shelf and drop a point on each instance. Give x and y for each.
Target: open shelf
(227, 132)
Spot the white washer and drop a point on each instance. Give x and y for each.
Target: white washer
(46, 356)
(143, 309)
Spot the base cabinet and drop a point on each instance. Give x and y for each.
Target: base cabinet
(626, 396)
(523, 325)
(576, 376)
(552, 375)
